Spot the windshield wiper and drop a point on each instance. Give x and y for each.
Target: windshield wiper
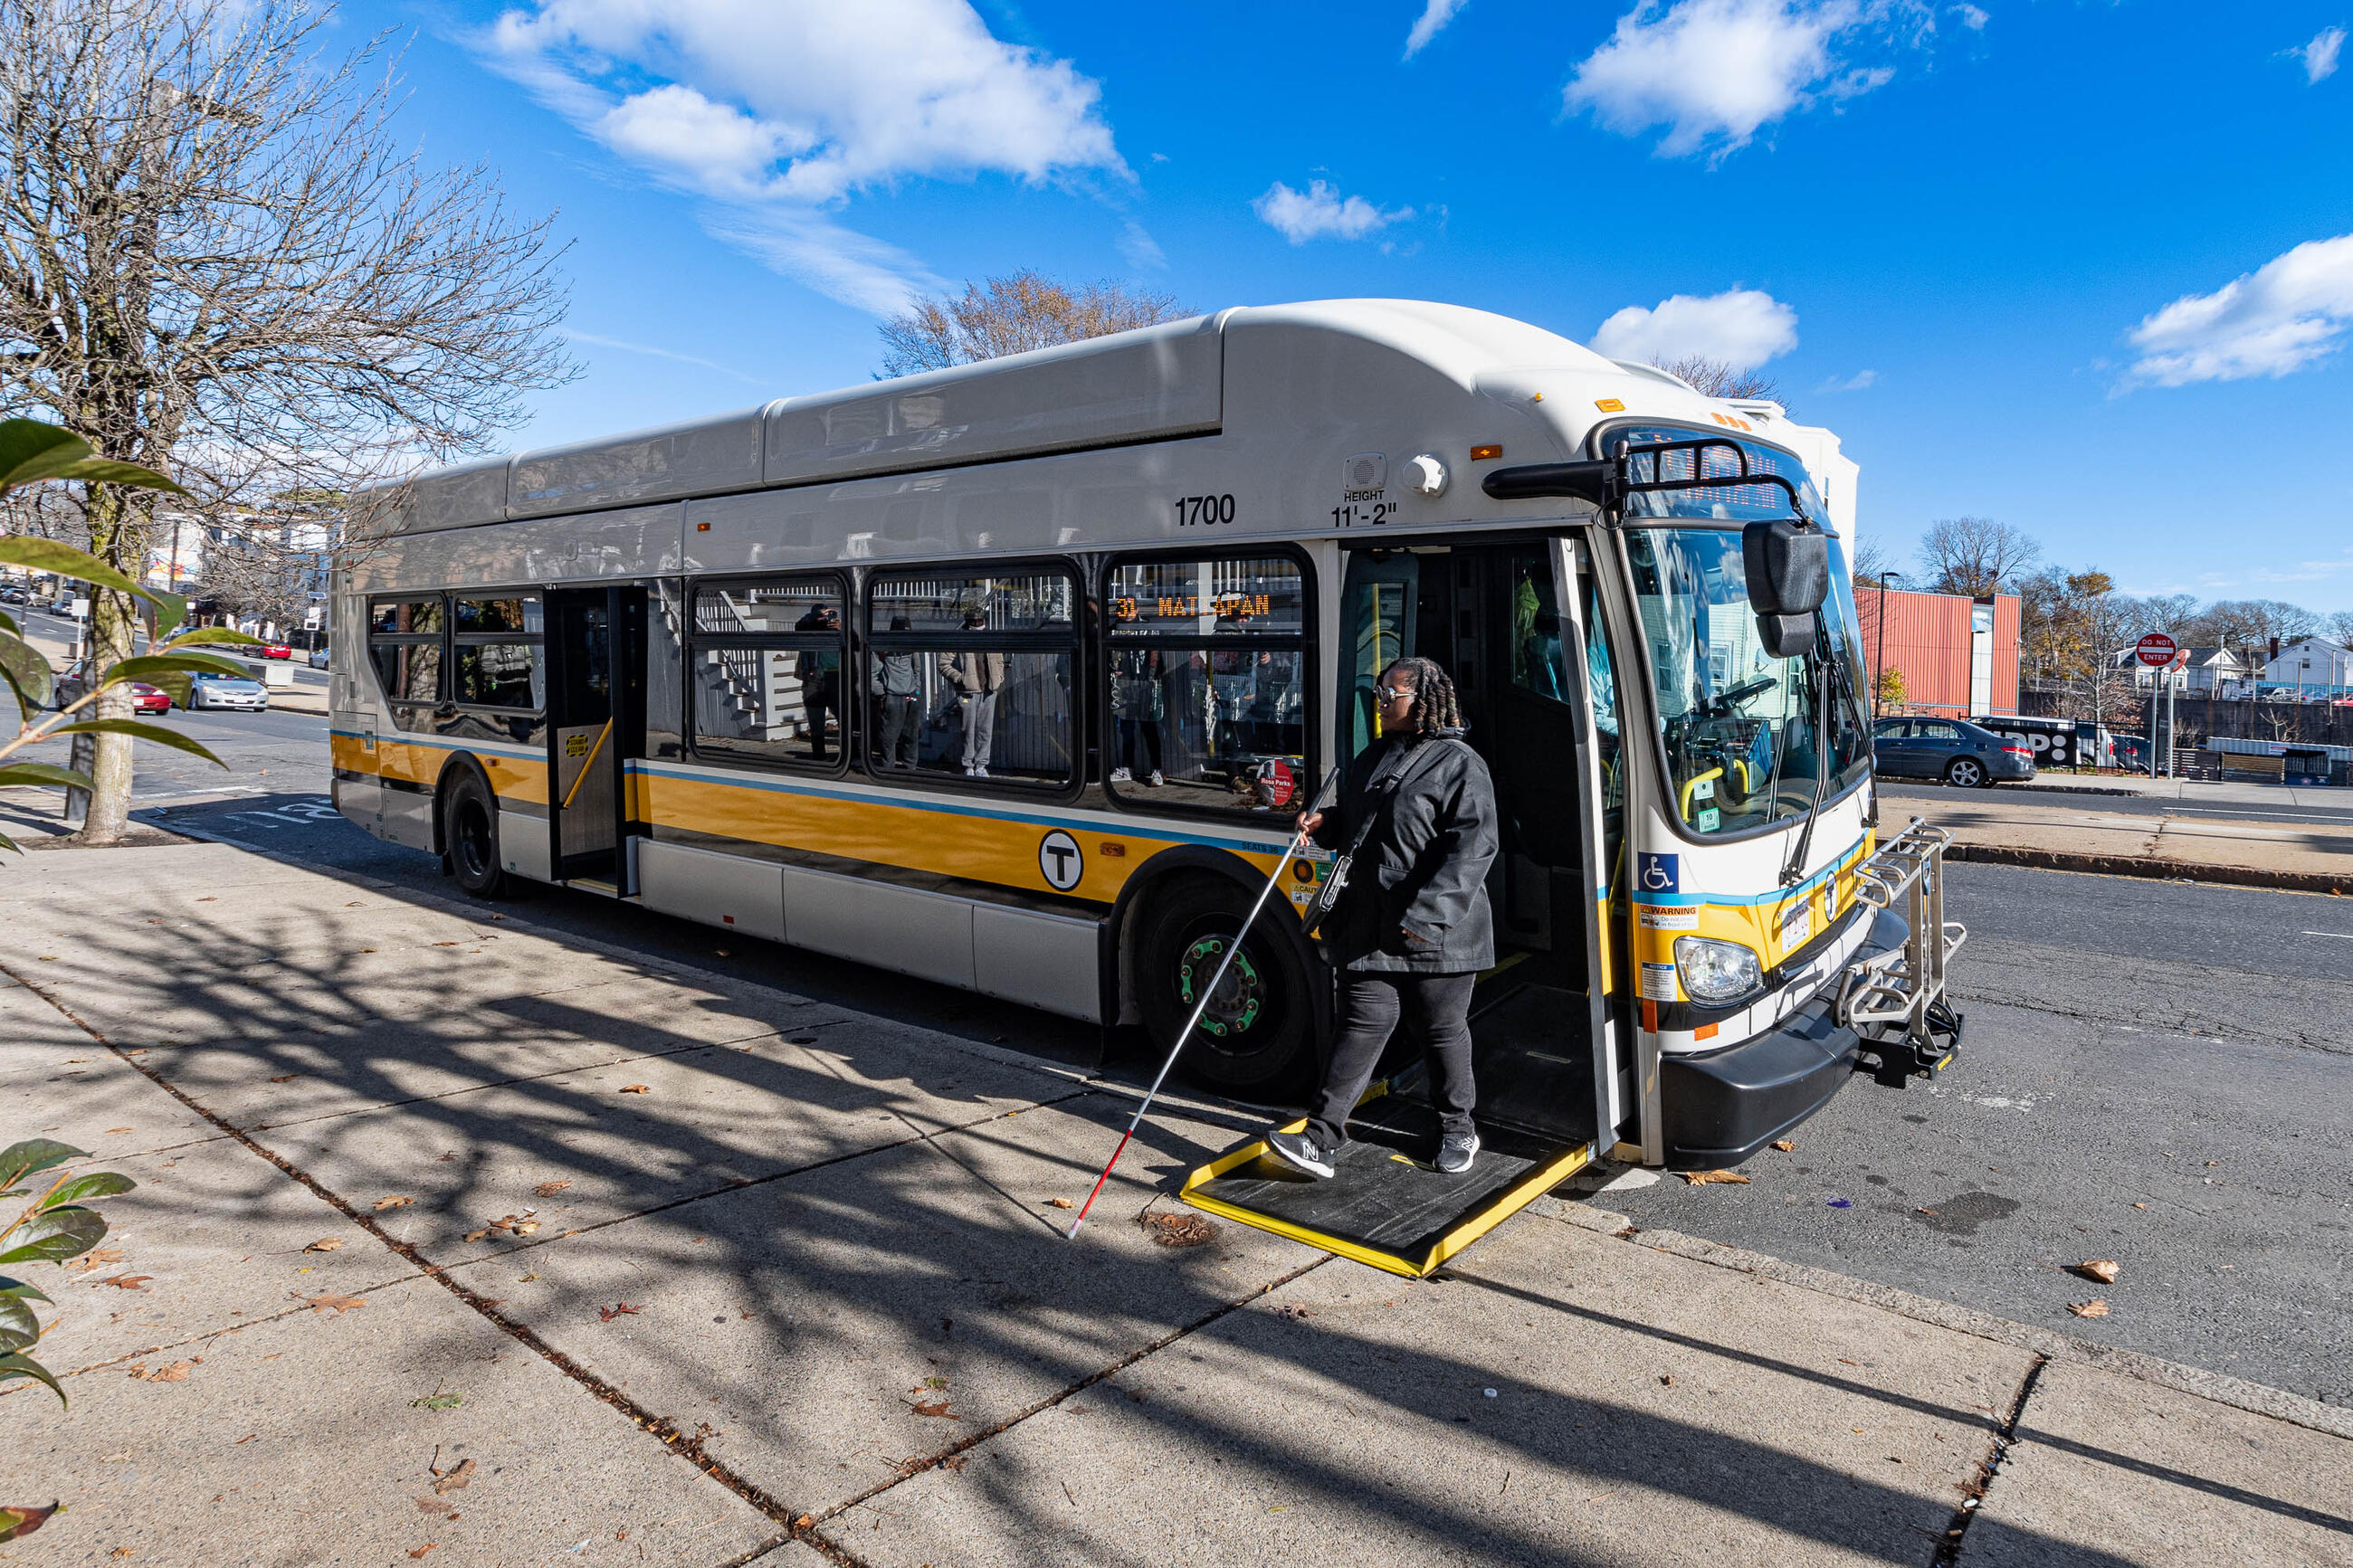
(1795, 866)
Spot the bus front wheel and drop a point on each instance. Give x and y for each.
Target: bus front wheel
(1256, 1033)
(470, 836)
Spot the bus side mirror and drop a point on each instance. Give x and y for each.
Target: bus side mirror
(1789, 567)
(1785, 637)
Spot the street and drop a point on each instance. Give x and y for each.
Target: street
(2156, 1072)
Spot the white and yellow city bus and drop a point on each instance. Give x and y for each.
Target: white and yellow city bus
(1014, 676)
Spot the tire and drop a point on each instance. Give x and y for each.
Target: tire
(1258, 1035)
(1968, 772)
(469, 835)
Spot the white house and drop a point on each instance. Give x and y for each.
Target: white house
(2208, 669)
(2311, 661)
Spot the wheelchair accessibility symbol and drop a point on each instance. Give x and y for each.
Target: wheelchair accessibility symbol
(1659, 873)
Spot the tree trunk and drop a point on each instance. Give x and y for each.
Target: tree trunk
(118, 536)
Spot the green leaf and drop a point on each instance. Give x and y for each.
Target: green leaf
(49, 555)
(147, 666)
(14, 1365)
(209, 635)
(17, 1520)
(155, 732)
(19, 1287)
(18, 1327)
(8, 624)
(31, 451)
(53, 1236)
(9, 844)
(42, 774)
(28, 672)
(82, 1189)
(19, 1160)
(170, 610)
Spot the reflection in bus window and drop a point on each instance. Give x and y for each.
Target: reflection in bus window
(765, 658)
(1209, 682)
(970, 675)
(500, 674)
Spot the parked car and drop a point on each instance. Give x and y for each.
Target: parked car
(277, 650)
(2129, 753)
(14, 596)
(207, 689)
(1966, 755)
(73, 682)
(319, 657)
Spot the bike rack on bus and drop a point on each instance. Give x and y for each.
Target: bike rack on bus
(1896, 1001)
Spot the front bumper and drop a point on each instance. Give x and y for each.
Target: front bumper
(1719, 1109)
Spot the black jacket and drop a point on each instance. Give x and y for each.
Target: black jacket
(1416, 896)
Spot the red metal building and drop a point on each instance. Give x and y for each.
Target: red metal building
(1958, 656)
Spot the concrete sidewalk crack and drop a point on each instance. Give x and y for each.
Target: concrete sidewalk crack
(1973, 1496)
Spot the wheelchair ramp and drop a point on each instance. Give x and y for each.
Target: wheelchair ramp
(1386, 1206)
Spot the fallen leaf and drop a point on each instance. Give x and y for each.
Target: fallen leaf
(1178, 1230)
(934, 1407)
(320, 1302)
(1703, 1178)
(637, 1089)
(176, 1372)
(526, 1227)
(209, 898)
(478, 1235)
(421, 1551)
(1060, 1202)
(2092, 1308)
(606, 1314)
(125, 1281)
(241, 1442)
(2099, 1268)
(1930, 1212)
(1785, 1145)
(430, 1505)
(113, 1131)
(1667, 1379)
(16, 1523)
(2140, 1205)
(397, 1201)
(96, 1256)
(955, 1462)
(549, 1189)
(326, 1244)
(444, 944)
(454, 1480)
(286, 1078)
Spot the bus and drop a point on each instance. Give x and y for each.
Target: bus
(1015, 676)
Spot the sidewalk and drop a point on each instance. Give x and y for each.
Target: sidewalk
(2059, 831)
(632, 1264)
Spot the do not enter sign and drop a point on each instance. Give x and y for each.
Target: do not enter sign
(2156, 650)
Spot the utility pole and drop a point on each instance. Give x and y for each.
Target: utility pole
(1879, 658)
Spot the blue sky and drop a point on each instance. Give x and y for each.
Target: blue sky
(2083, 266)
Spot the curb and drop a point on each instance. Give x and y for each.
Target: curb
(2337, 882)
(2255, 1398)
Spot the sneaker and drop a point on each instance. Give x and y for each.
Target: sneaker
(1156, 780)
(980, 772)
(1301, 1150)
(1121, 775)
(1455, 1153)
(968, 770)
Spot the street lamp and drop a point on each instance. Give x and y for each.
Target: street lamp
(1879, 658)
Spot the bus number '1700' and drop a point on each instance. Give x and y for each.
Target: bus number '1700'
(1194, 510)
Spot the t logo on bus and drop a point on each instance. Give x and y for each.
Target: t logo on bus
(1659, 873)
(1060, 861)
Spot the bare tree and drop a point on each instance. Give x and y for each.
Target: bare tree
(1720, 378)
(2111, 621)
(1976, 556)
(1872, 562)
(1009, 315)
(215, 260)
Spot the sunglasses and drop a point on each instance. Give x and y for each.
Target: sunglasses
(1395, 693)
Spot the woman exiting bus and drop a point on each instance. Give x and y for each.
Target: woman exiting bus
(1412, 929)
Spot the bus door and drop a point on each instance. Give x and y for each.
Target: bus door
(596, 723)
(1496, 618)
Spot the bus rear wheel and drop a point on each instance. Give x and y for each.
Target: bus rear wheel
(1257, 1035)
(470, 836)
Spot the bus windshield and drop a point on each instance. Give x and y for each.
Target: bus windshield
(1744, 730)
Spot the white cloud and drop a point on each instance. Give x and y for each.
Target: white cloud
(1429, 23)
(572, 335)
(1142, 251)
(1973, 17)
(1855, 382)
(2320, 56)
(2279, 318)
(1320, 212)
(780, 109)
(1742, 327)
(1715, 72)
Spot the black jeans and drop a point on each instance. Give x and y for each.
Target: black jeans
(1437, 1008)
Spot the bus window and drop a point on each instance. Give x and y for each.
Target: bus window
(765, 657)
(405, 646)
(970, 675)
(1208, 682)
(498, 668)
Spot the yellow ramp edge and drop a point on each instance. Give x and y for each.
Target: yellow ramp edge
(1539, 1180)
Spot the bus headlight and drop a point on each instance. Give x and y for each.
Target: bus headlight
(1716, 974)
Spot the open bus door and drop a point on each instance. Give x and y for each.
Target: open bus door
(596, 723)
(1506, 622)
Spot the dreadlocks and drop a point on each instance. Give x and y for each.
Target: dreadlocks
(1434, 704)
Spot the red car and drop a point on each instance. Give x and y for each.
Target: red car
(276, 650)
(146, 698)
